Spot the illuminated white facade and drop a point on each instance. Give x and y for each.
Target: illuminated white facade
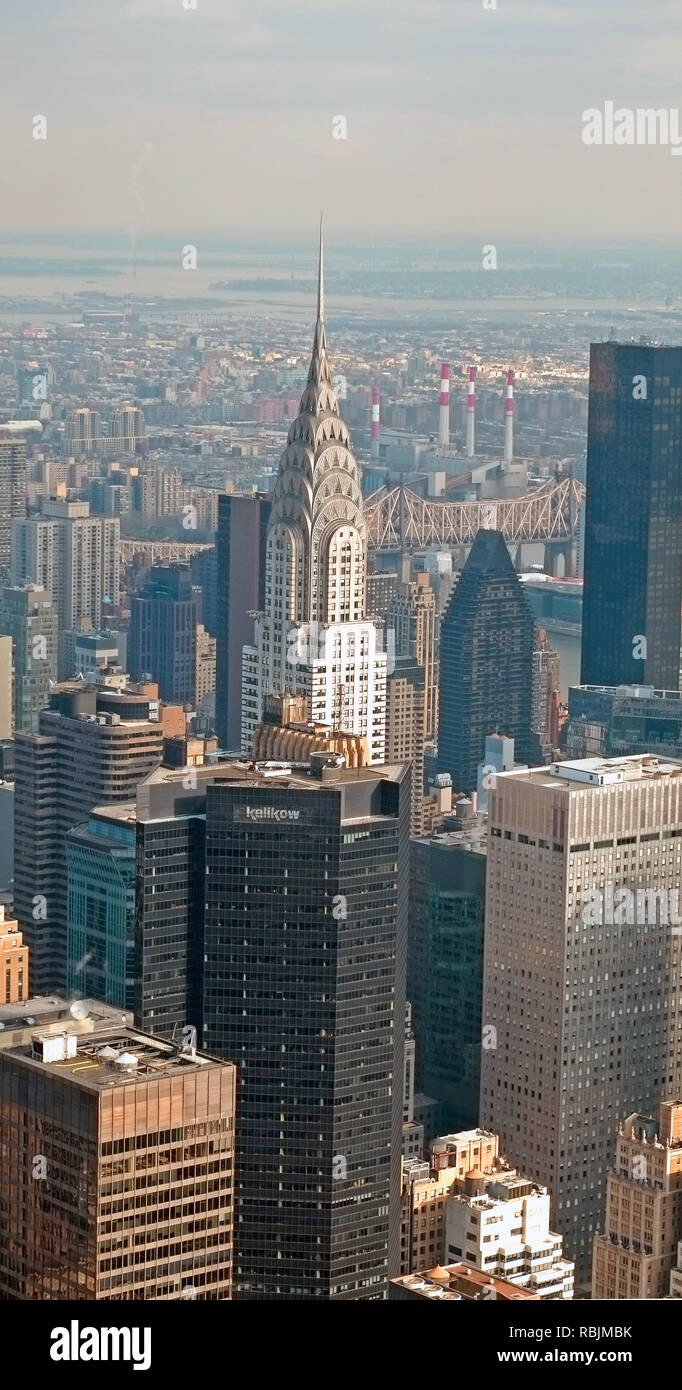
(313, 637)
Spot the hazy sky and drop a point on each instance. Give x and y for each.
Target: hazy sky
(460, 120)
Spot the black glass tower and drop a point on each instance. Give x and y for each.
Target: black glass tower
(486, 663)
(633, 521)
(304, 987)
(163, 634)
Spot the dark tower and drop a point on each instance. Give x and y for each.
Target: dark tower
(304, 986)
(486, 663)
(163, 634)
(240, 546)
(633, 521)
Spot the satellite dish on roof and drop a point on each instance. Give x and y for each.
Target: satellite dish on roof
(79, 1009)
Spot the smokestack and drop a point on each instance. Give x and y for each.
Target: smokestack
(376, 426)
(471, 414)
(509, 420)
(444, 416)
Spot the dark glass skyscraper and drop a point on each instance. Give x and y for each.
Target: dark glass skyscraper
(304, 986)
(486, 663)
(633, 523)
(240, 547)
(163, 634)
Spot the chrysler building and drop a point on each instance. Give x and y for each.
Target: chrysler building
(313, 639)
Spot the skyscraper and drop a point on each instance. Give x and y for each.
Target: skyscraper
(118, 1160)
(633, 521)
(313, 638)
(445, 971)
(12, 494)
(163, 634)
(29, 618)
(304, 985)
(75, 556)
(582, 1011)
(241, 547)
(637, 1247)
(486, 663)
(93, 746)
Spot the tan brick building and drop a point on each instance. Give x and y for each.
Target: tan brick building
(13, 962)
(635, 1256)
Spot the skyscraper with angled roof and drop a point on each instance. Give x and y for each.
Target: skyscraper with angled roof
(486, 663)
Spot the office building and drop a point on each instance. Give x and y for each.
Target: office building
(486, 663)
(13, 962)
(100, 907)
(29, 618)
(102, 1110)
(608, 721)
(635, 1254)
(313, 638)
(6, 689)
(633, 519)
(426, 1186)
(310, 1001)
(405, 728)
(546, 696)
(93, 746)
(162, 644)
(411, 618)
(445, 970)
(581, 1005)
(241, 549)
(499, 1223)
(12, 494)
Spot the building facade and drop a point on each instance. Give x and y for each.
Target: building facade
(633, 519)
(486, 663)
(163, 634)
(313, 638)
(635, 1256)
(580, 1000)
(241, 550)
(103, 1108)
(310, 1001)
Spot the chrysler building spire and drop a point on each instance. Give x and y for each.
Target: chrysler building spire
(316, 563)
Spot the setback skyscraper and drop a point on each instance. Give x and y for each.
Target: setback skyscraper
(633, 520)
(314, 638)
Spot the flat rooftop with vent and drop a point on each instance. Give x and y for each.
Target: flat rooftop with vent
(91, 1043)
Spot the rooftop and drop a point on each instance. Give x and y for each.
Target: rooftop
(599, 772)
(106, 1057)
(460, 1281)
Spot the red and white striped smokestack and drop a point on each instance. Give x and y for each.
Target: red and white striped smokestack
(376, 425)
(471, 414)
(509, 420)
(444, 416)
